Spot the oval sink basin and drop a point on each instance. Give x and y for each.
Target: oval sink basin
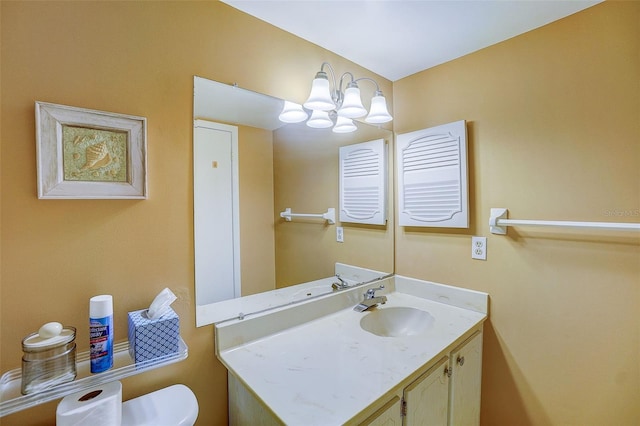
(396, 322)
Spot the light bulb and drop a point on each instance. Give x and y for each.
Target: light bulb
(320, 96)
(319, 120)
(378, 113)
(352, 105)
(344, 125)
(292, 113)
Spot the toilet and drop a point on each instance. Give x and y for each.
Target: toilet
(175, 405)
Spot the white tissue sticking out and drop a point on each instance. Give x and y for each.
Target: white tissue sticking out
(161, 304)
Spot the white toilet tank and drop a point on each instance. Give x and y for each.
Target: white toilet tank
(171, 406)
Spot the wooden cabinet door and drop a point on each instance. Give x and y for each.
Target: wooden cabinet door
(427, 399)
(388, 415)
(466, 363)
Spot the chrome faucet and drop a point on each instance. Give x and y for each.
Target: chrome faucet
(370, 299)
(339, 285)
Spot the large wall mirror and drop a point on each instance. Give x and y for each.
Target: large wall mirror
(281, 166)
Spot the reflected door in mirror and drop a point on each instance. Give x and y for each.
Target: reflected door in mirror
(216, 216)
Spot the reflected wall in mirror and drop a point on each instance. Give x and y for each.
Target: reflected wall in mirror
(287, 166)
(306, 179)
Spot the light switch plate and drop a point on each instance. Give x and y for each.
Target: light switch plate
(479, 248)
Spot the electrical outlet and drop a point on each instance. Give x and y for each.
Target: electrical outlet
(339, 234)
(479, 248)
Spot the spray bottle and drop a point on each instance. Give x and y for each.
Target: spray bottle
(101, 333)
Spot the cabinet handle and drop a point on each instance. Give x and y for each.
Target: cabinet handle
(447, 371)
(460, 360)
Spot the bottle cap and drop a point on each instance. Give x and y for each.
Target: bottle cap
(101, 306)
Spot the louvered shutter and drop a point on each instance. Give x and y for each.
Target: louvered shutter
(363, 186)
(432, 177)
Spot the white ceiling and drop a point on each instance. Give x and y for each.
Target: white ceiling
(397, 38)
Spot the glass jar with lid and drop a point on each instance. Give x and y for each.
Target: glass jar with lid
(49, 358)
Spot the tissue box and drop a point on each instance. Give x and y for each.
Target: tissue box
(153, 338)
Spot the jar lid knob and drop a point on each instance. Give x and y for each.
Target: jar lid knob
(50, 329)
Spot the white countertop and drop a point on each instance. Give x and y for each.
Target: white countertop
(327, 370)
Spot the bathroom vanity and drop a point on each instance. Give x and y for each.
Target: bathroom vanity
(418, 356)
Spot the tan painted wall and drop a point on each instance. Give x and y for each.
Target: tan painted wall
(553, 124)
(257, 240)
(135, 58)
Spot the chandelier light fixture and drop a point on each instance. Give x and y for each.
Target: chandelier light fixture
(333, 107)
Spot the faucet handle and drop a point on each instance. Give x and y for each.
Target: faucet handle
(371, 293)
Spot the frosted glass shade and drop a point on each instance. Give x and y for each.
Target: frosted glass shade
(378, 113)
(319, 120)
(292, 113)
(352, 105)
(320, 96)
(344, 125)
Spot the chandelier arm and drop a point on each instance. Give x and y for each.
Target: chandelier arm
(353, 80)
(333, 75)
(336, 94)
(339, 93)
(371, 80)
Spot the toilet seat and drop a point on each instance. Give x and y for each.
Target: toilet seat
(175, 405)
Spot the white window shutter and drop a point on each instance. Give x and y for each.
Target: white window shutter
(363, 183)
(432, 177)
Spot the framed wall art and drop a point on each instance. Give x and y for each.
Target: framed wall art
(83, 153)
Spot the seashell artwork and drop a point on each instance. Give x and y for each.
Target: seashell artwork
(96, 156)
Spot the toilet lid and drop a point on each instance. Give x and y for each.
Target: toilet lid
(172, 406)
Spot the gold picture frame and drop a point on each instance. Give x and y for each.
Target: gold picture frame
(84, 154)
